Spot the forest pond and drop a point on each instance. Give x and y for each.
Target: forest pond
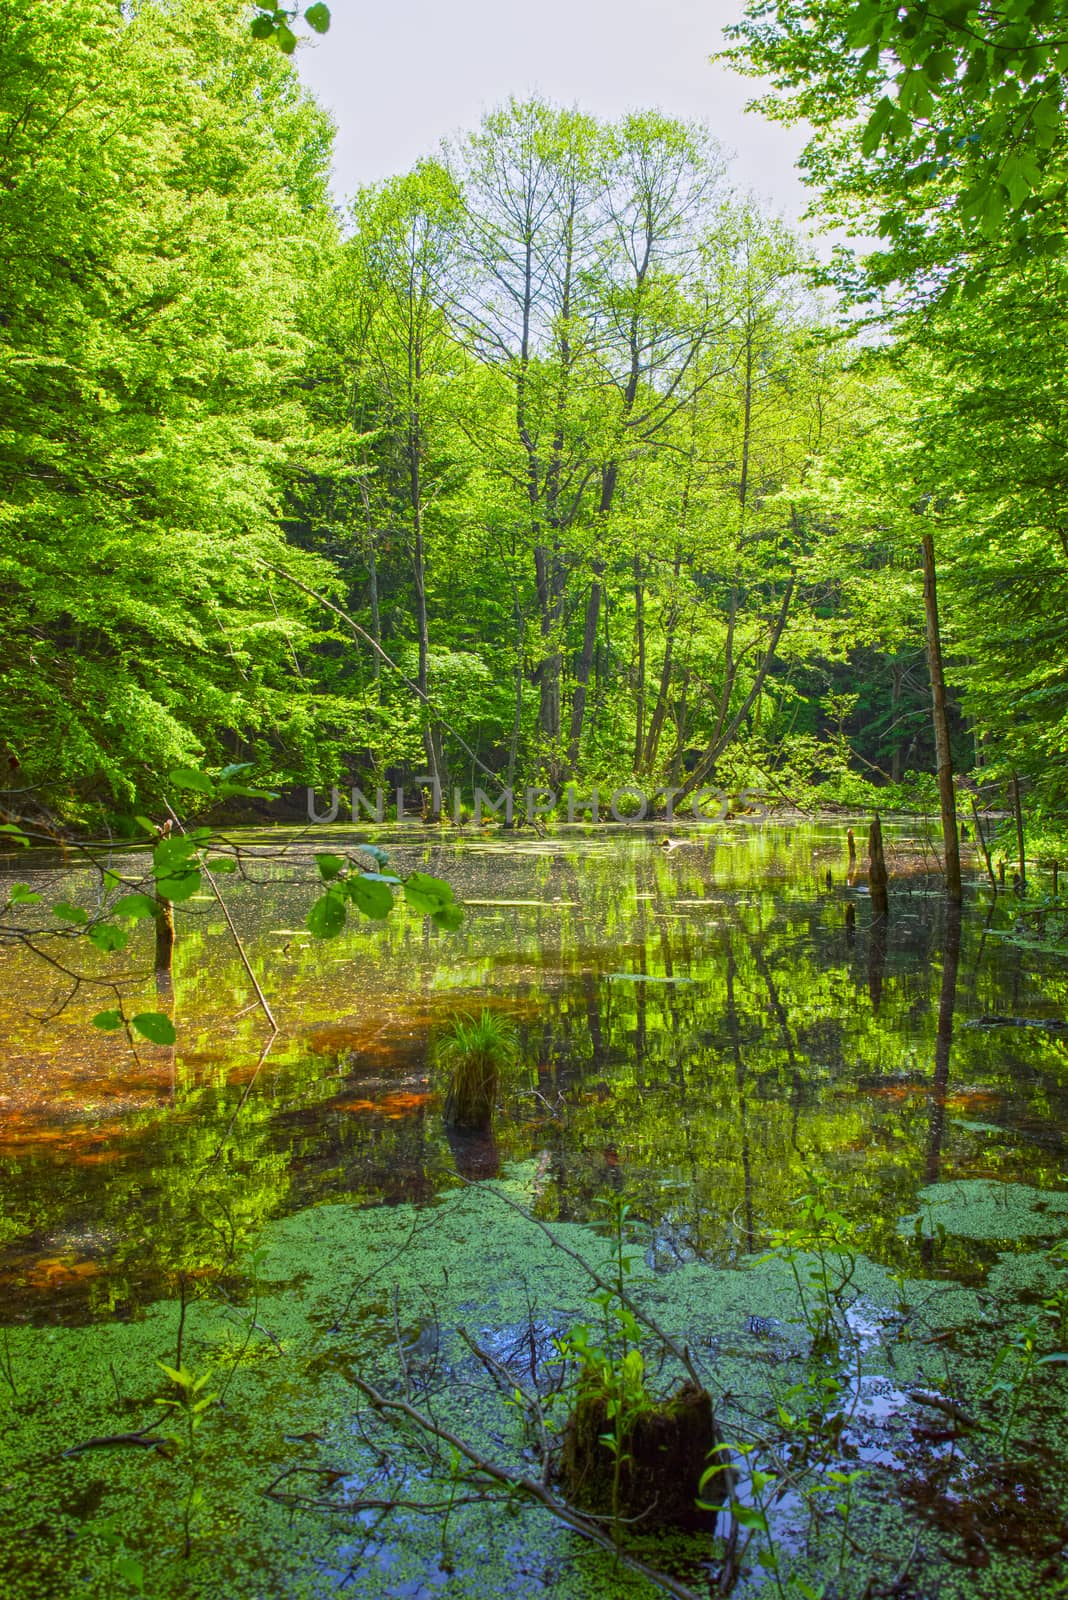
(703, 1033)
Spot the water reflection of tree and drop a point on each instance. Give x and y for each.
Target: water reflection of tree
(743, 1110)
(936, 1123)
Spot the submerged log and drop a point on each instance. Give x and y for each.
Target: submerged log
(666, 1449)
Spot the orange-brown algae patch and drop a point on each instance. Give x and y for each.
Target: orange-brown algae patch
(54, 1271)
(391, 1105)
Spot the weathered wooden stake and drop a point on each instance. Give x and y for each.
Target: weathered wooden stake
(164, 936)
(877, 875)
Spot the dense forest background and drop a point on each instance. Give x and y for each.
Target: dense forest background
(586, 443)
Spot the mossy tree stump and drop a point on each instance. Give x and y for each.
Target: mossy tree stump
(666, 1450)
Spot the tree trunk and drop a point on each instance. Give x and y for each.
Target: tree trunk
(372, 578)
(639, 633)
(656, 721)
(548, 574)
(431, 728)
(585, 662)
(947, 999)
(720, 743)
(943, 752)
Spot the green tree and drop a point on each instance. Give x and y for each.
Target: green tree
(162, 204)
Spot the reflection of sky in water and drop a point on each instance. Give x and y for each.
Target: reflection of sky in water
(697, 1025)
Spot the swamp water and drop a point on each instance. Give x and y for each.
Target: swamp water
(703, 1039)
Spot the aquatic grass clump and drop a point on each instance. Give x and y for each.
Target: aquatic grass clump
(474, 1051)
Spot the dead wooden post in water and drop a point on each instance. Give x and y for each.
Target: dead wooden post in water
(164, 917)
(877, 875)
(164, 937)
(852, 849)
(943, 751)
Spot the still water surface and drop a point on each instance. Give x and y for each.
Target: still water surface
(699, 1029)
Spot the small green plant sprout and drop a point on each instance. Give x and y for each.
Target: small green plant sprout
(474, 1051)
(842, 1485)
(1015, 1369)
(189, 1403)
(121, 1565)
(751, 1514)
(821, 1252)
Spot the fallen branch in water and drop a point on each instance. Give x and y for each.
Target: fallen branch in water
(109, 1441)
(527, 1488)
(938, 1402)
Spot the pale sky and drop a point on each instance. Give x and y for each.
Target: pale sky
(399, 78)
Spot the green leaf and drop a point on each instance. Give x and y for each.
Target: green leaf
(327, 916)
(172, 856)
(131, 1572)
(181, 1377)
(228, 789)
(222, 864)
(425, 893)
(262, 28)
(146, 823)
(318, 17)
(135, 905)
(108, 1020)
(156, 1027)
(181, 887)
(23, 895)
(370, 895)
(449, 917)
(285, 39)
(107, 937)
(189, 778)
(750, 1517)
(68, 913)
(329, 866)
(15, 833)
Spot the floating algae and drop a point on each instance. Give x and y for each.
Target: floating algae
(386, 1294)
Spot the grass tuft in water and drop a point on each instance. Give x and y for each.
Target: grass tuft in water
(474, 1052)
